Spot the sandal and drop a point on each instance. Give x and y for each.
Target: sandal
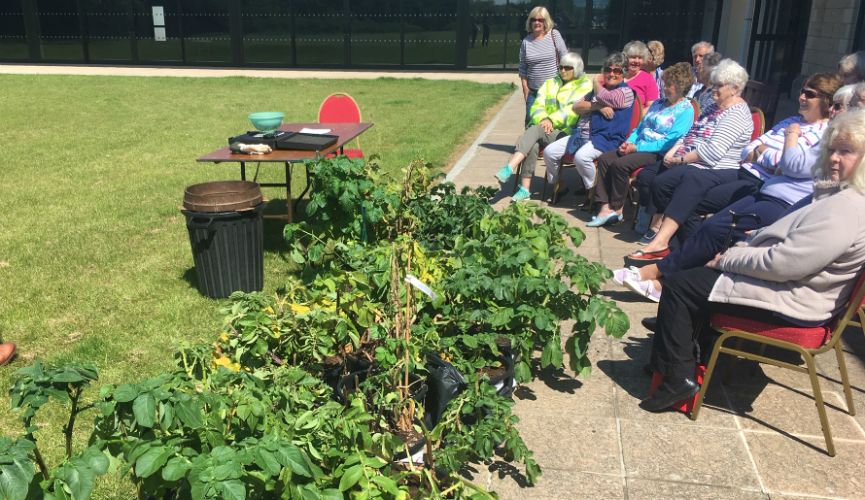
(642, 258)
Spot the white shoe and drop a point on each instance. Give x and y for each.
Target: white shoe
(628, 273)
(644, 288)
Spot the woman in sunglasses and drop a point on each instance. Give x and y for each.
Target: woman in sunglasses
(779, 166)
(605, 119)
(552, 117)
(540, 53)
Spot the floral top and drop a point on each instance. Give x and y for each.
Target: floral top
(662, 126)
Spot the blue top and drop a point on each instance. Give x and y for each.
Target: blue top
(608, 135)
(662, 126)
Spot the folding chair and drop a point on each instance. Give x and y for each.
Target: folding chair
(805, 341)
(759, 122)
(568, 159)
(341, 108)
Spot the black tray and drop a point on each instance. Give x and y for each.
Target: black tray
(307, 142)
(258, 138)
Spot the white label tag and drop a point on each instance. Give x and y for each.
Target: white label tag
(159, 33)
(158, 16)
(420, 286)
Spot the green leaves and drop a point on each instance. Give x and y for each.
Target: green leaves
(144, 409)
(16, 469)
(351, 477)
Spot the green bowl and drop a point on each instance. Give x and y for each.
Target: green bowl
(267, 121)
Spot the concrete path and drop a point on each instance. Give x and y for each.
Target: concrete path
(758, 437)
(51, 69)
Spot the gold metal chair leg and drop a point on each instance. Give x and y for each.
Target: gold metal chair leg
(708, 376)
(729, 375)
(757, 363)
(818, 399)
(591, 198)
(842, 366)
(544, 190)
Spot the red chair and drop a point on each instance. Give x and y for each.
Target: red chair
(805, 341)
(759, 122)
(341, 108)
(568, 159)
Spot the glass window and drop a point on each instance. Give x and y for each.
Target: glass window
(320, 32)
(489, 32)
(600, 46)
(13, 41)
(107, 30)
(375, 32)
(59, 29)
(430, 32)
(266, 31)
(206, 33)
(149, 49)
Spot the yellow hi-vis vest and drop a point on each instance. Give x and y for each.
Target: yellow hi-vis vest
(556, 100)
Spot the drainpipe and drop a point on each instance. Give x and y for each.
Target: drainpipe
(749, 17)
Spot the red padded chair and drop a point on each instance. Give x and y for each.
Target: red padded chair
(805, 341)
(341, 108)
(759, 122)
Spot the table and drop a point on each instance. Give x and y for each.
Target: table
(345, 131)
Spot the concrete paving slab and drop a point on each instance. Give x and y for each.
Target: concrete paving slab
(560, 485)
(644, 489)
(577, 444)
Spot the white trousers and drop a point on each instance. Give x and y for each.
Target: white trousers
(584, 161)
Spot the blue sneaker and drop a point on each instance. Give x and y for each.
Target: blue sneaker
(648, 237)
(643, 221)
(522, 194)
(505, 173)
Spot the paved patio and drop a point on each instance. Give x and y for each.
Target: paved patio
(758, 437)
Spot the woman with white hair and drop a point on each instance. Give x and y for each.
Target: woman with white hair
(799, 271)
(540, 54)
(852, 68)
(707, 156)
(552, 117)
(641, 82)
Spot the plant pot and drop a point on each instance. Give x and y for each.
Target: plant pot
(445, 383)
(347, 384)
(504, 383)
(356, 364)
(416, 451)
(331, 377)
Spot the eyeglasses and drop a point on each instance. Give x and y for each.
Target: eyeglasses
(615, 71)
(566, 68)
(718, 86)
(838, 105)
(538, 20)
(809, 94)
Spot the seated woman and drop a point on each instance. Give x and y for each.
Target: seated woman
(781, 159)
(706, 157)
(605, 119)
(648, 219)
(640, 81)
(666, 121)
(552, 117)
(799, 271)
(653, 64)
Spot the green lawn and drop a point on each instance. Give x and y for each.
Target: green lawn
(95, 263)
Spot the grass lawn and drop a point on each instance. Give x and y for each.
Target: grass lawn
(95, 263)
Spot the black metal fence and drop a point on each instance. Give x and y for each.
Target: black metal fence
(441, 34)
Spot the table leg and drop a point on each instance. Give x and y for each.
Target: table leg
(243, 170)
(296, 203)
(288, 190)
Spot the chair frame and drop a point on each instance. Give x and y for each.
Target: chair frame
(755, 109)
(359, 114)
(854, 307)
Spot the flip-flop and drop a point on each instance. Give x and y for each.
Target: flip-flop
(558, 197)
(642, 258)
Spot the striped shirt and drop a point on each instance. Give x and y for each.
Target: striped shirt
(719, 136)
(538, 59)
(769, 160)
(619, 98)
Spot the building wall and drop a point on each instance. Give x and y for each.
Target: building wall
(830, 34)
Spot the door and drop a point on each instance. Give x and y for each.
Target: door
(777, 41)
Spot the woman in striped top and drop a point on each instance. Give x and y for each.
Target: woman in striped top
(539, 55)
(706, 157)
(783, 158)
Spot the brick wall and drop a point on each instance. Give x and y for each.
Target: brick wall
(830, 34)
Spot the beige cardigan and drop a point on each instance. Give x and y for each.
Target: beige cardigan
(804, 265)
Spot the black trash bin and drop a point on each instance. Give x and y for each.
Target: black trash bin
(228, 250)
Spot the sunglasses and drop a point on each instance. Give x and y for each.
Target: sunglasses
(809, 94)
(538, 20)
(615, 71)
(566, 68)
(837, 105)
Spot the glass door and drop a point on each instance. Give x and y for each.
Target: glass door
(267, 32)
(164, 49)
(206, 31)
(108, 30)
(376, 32)
(59, 30)
(320, 31)
(13, 41)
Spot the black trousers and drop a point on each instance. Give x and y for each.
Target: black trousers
(614, 174)
(644, 182)
(685, 305)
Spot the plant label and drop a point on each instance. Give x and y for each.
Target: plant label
(420, 286)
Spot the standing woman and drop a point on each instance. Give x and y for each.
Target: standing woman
(643, 83)
(540, 53)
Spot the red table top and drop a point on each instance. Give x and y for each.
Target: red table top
(345, 131)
